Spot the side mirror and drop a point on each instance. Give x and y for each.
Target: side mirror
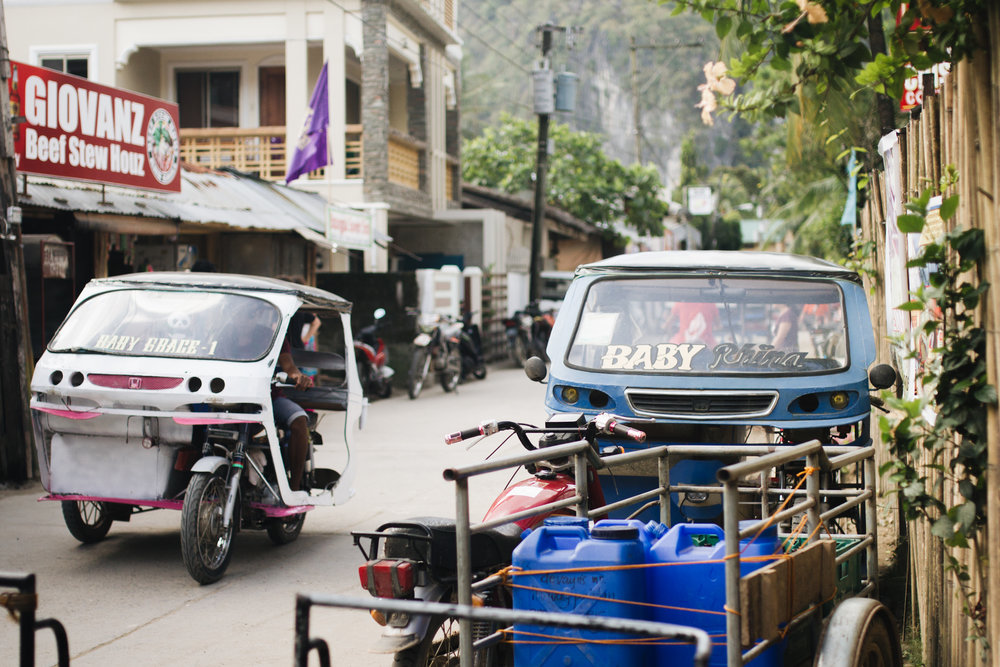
(535, 369)
(882, 376)
(379, 313)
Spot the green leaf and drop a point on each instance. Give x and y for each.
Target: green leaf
(910, 224)
(986, 394)
(943, 528)
(948, 207)
(723, 25)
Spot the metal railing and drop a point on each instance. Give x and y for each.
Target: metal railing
(23, 605)
(304, 644)
(768, 457)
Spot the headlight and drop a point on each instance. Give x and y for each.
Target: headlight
(839, 400)
(570, 395)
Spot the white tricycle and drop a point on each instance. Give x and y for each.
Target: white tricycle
(156, 392)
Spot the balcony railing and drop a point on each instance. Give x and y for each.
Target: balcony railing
(259, 150)
(404, 160)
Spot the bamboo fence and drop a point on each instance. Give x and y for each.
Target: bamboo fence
(957, 127)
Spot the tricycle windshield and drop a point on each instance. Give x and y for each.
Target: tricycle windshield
(162, 323)
(711, 324)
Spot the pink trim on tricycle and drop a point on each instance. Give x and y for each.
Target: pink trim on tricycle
(203, 421)
(69, 414)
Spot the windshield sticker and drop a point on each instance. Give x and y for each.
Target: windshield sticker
(155, 345)
(679, 357)
(666, 357)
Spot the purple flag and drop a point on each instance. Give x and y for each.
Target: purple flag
(311, 149)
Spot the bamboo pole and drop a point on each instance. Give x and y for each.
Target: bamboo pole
(992, 347)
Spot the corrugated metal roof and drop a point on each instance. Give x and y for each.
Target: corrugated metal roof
(223, 197)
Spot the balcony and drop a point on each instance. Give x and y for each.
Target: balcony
(259, 150)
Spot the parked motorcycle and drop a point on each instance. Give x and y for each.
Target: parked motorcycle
(417, 558)
(528, 333)
(434, 352)
(470, 347)
(372, 358)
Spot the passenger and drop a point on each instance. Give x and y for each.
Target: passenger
(696, 322)
(289, 415)
(786, 328)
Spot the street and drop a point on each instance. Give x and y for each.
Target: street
(128, 600)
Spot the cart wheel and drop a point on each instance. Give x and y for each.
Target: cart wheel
(88, 520)
(860, 633)
(205, 545)
(286, 529)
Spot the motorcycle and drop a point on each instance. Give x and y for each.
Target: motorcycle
(155, 393)
(528, 334)
(433, 350)
(372, 358)
(470, 347)
(417, 558)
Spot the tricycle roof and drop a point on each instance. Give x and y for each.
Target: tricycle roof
(720, 261)
(312, 297)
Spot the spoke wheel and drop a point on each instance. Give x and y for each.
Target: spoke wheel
(285, 530)
(205, 545)
(88, 520)
(452, 372)
(419, 367)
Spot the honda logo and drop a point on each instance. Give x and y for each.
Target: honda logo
(701, 405)
(135, 383)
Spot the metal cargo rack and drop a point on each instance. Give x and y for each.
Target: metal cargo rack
(745, 614)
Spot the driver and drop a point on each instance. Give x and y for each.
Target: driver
(289, 415)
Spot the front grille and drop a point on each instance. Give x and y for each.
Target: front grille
(700, 404)
(149, 382)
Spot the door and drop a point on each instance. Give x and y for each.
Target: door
(272, 96)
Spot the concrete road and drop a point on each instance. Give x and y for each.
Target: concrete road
(128, 600)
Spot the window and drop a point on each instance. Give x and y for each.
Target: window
(209, 98)
(70, 64)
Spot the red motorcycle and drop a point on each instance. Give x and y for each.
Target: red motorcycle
(417, 559)
(372, 358)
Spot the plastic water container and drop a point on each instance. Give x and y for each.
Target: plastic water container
(566, 548)
(696, 588)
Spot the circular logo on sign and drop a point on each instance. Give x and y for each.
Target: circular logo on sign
(162, 146)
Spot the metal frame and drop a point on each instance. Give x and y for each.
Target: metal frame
(24, 603)
(769, 456)
(304, 644)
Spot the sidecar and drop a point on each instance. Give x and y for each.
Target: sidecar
(713, 347)
(152, 375)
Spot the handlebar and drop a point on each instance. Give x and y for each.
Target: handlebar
(602, 424)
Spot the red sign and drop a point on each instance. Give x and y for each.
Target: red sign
(75, 128)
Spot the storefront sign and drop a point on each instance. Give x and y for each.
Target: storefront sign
(55, 260)
(74, 128)
(349, 228)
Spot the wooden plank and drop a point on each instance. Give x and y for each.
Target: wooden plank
(773, 595)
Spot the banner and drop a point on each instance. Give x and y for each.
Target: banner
(69, 127)
(311, 151)
(349, 228)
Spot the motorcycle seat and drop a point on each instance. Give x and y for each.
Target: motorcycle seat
(490, 549)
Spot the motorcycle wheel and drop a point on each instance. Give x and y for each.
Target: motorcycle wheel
(88, 520)
(479, 372)
(285, 530)
(440, 647)
(419, 366)
(386, 390)
(519, 351)
(205, 546)
(452, 373)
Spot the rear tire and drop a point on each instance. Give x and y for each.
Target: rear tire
(88, 520)
(479, 372)
(519, 351)
(285, 530)
(419, 366)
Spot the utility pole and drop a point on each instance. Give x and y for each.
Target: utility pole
(544, 106)
(634, 66)
(15, 341)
